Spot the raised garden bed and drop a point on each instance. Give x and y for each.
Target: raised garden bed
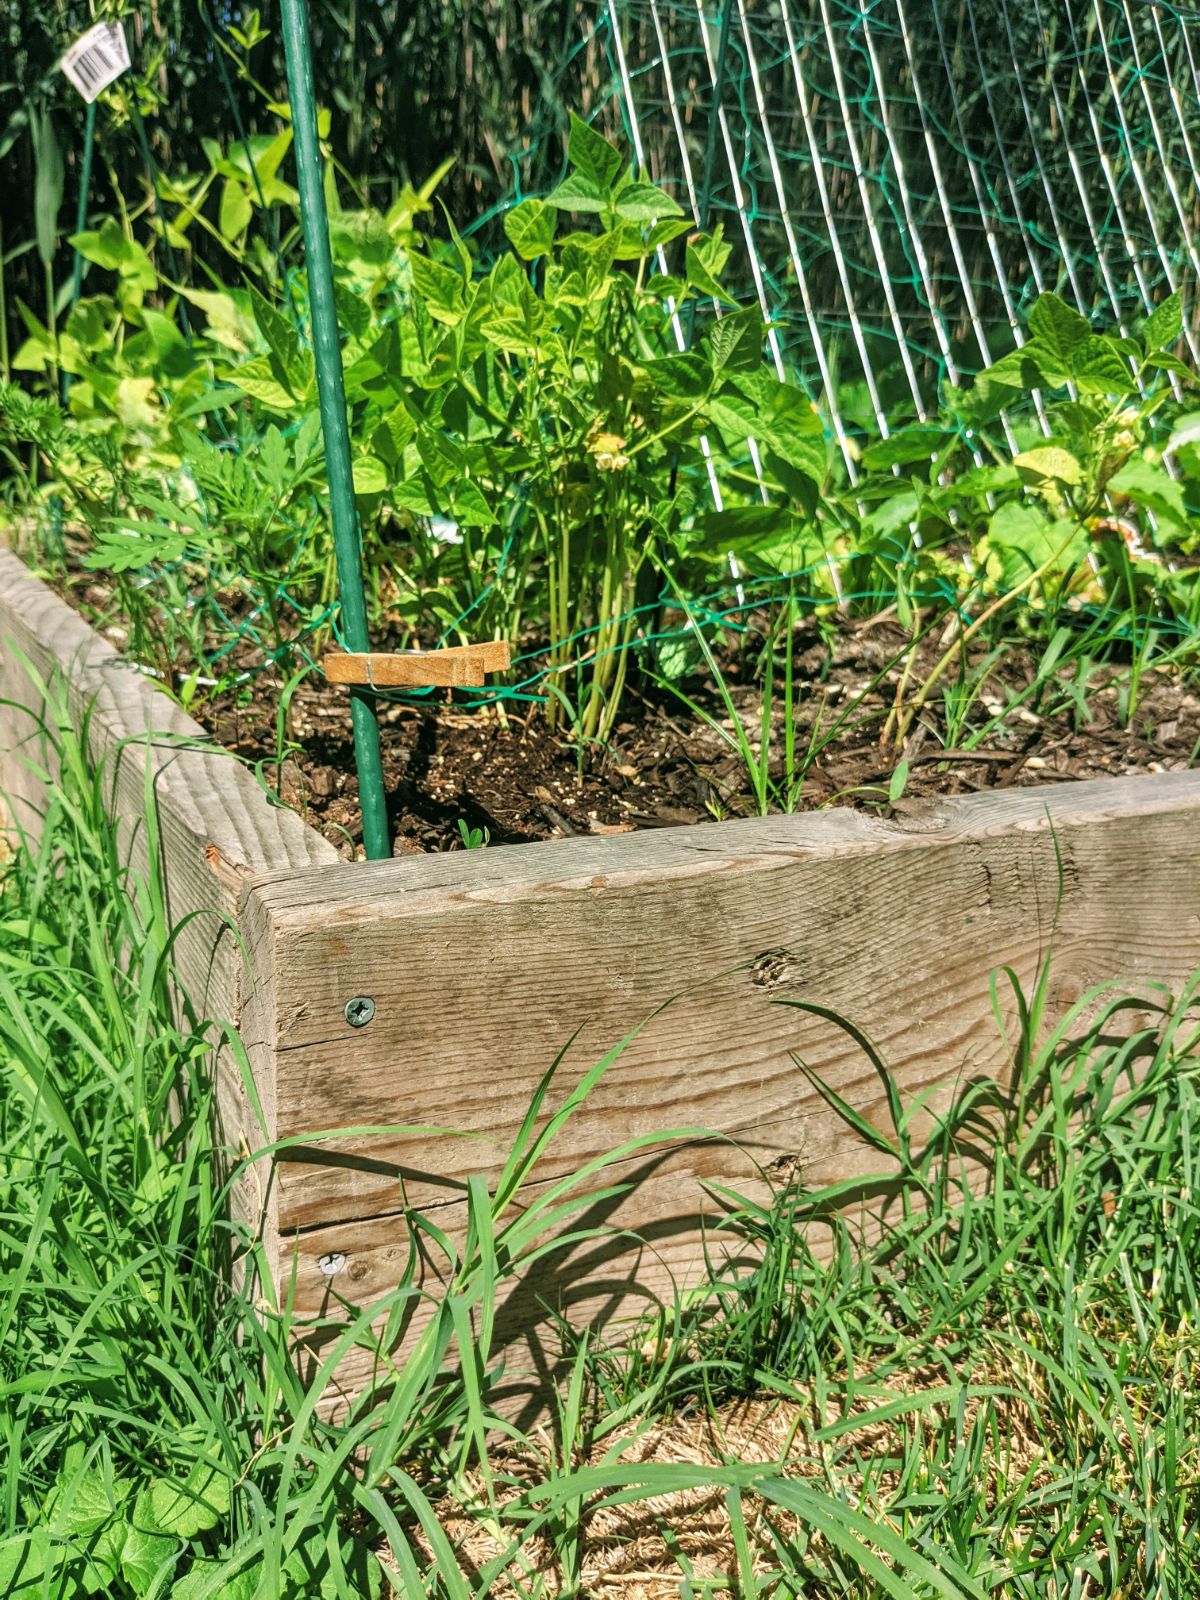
(482, 966)
(500, 773)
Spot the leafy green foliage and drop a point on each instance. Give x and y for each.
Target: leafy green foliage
(535, 442)
(571, 394)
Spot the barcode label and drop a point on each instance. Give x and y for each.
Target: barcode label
(96, 59)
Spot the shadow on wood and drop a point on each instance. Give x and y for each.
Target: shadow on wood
(483, 965)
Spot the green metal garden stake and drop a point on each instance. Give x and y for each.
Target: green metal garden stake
(332, 394)
(81, 211)
(85, 184)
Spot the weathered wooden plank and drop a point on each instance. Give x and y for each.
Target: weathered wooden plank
(483, 965)
(648, 1244)
(218, 827)
(455, 667)
(617, 1268)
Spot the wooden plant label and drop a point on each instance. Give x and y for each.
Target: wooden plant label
(458, 667)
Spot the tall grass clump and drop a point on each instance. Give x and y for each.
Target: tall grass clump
(159, 1436)
(1005, 1371)
(121, 1379)
(992, 1392)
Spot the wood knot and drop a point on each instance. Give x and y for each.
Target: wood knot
(784, 1170)
(776, 969)
(916, 816)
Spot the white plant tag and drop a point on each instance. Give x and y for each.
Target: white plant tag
(96, 59)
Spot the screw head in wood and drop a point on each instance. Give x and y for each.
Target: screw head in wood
(360, 1010)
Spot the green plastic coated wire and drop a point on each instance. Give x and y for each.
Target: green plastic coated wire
(332, 394)
(899, 181)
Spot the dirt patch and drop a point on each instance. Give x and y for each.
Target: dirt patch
(638, 1550)
(508, 776)
(996, 719)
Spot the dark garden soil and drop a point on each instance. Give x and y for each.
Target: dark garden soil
(506, 773)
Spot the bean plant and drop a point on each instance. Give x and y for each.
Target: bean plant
(567, 448)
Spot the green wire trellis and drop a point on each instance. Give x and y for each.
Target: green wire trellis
(900, 183)
(901, 180)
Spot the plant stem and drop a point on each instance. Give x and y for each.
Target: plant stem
(5, 370)
(968, 634)
(52, 321)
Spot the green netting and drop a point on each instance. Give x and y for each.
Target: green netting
(902, 180)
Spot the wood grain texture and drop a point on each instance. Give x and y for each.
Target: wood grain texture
(648, 1241)
(651, 1236)
(483, 966)
(217, 828)
(456, 667)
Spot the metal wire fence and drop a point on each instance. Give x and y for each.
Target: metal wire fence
(901, 181)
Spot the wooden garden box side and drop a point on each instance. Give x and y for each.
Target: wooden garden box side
(483, 966)
(216, 827)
